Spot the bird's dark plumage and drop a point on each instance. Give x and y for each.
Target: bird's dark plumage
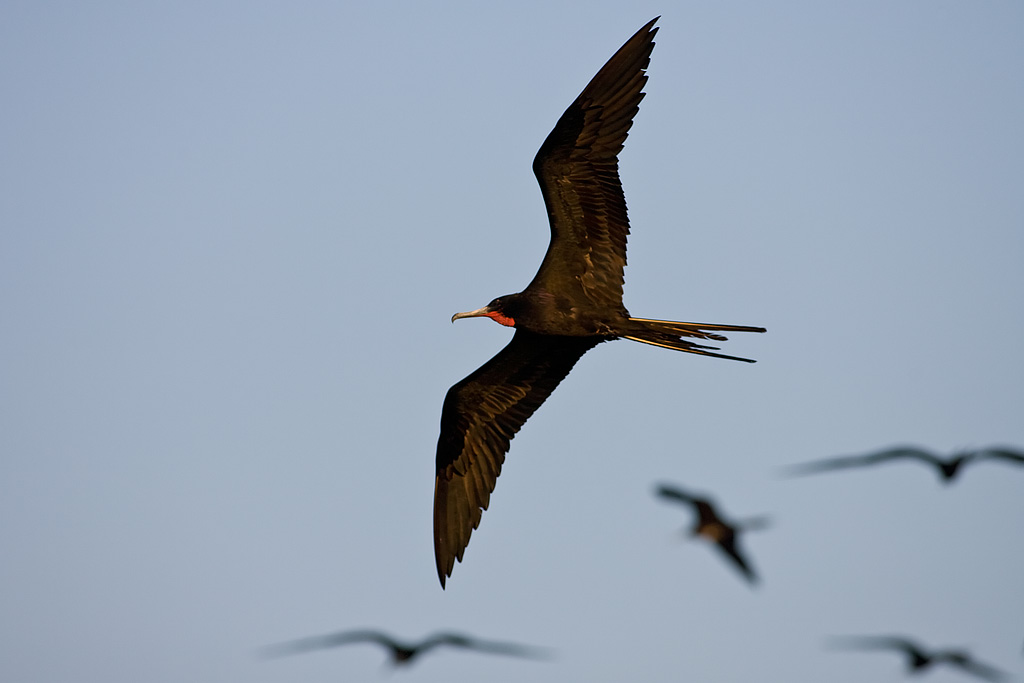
(401, 652)
(918, 658)
(573, 303)
(710, 525)
(480, 416)
(947, 468)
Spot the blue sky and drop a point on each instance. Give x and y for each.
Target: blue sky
(232, 238)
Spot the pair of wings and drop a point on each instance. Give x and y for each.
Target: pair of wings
(906, 453)
(577, 168)
(409, 650)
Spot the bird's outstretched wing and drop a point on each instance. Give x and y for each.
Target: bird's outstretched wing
(327, 641)
(706, 513)
(488, 646)
(673, 493)
(729, 547)
(972, 666)
(578, 171)
(846, 462)
(705, 510)
(1001, 454)
(880, 643)
(480, 416)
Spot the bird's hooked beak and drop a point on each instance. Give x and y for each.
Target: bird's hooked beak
(480, 312)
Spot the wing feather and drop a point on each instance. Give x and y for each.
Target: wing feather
(480, 416)
(730, 548)
(1002, 453)
(849, 461)
(673, 493)
(578, 171)
(329, 640)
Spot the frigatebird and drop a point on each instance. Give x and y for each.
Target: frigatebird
(918, 659)
(947, 469)
(710, 525)
(573, 303)
(401, 652)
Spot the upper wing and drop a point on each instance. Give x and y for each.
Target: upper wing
(1002, 453)
(673, 493)
(979, 669)
(480, 416)
(881, 643)
(862, 460)
(912, 452)
(327, 641)
(730, 547)
(578, 171)
(706, 512)
(704, 508)
(490, 646)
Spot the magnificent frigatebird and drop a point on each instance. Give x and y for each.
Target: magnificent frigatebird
(573, 303)
(947, 469)
(401, 653)
(710, 525)
(917, 658)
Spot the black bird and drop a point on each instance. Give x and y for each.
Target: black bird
(947, 469)
(712, 527)
(401, 653)
(573, 303)
(918, 659)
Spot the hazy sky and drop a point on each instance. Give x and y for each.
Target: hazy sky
(231, 239)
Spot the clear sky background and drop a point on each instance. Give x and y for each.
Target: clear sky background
(231, 239)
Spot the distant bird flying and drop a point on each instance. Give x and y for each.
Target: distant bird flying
(573, 303)
(918, 659)
(712, 527)
(947, 469)
(401, 653)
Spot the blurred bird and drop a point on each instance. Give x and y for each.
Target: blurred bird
(947, 469)
(401, 653)
(918, 659)
(712, 527)
(573, 303)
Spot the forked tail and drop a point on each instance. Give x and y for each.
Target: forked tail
(668, 334)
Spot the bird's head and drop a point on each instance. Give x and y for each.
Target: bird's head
(503, 310)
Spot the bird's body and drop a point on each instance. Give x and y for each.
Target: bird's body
(947, 468)
(401, 652)
(919, 659)
(572, 304)
(710, 525)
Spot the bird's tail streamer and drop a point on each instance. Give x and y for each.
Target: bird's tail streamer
(669, 334)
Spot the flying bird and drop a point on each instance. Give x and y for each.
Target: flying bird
(918, 659)
(947, 469)
(573, 303)
(710, 525)
(401, 653)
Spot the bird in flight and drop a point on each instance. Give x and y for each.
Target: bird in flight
(947, 469)
(401, 653)
(573, 303)
(710, 525)
(918, 659)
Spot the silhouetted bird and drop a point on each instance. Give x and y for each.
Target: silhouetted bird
(401, 653)
(947, 469)
(712, 527)
(917, 658)
(573, 303)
